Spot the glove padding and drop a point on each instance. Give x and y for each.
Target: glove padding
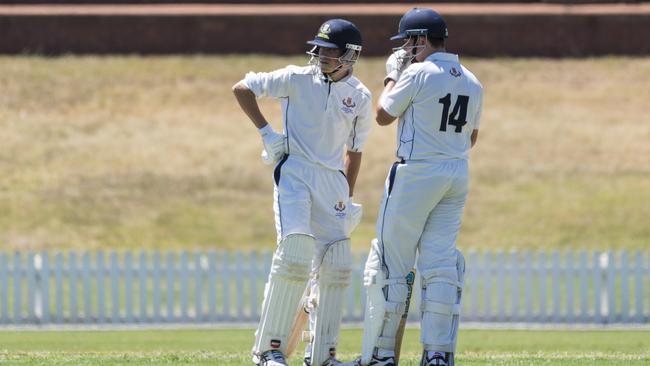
(275, 145)
(355, 214)
(397, 62)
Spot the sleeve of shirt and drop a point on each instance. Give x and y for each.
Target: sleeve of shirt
(273, 84)
(399, 98)
(361, 127)
(479, 109)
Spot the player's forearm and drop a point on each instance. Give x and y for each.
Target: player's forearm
(248, 103)
(352, 166)
(382, 117)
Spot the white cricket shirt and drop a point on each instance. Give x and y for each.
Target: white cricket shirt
(438, 102)
(319, 118)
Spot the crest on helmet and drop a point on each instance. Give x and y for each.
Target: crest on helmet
(324, 31)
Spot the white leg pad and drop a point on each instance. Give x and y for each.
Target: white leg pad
(286, 284)
(332, 277)
(441, 294)
(382, 316)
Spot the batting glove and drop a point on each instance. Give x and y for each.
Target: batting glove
(397, 62)
(275, 144)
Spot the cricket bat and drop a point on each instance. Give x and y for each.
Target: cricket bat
(300, 321)
(410, 279)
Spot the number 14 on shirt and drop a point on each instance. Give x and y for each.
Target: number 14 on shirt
(458, 116)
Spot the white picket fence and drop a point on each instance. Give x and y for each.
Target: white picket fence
(227, 287)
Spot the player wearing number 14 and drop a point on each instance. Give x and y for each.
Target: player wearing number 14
(438, 103)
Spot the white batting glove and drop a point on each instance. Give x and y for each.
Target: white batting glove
(275, 144)
(397, 62)
(356, 212)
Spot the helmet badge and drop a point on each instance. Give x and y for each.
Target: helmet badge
(324, 31)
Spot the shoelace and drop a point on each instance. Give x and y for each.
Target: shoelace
(379, 360)
(329, 362)
(274, 355)
(438, 358)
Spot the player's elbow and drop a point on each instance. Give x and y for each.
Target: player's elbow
(474, 138)
(240, 88)
(383, 118)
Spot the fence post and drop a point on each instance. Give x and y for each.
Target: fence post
(611, 287)
(225, 278)
(45, 288)
(156, 279)
(252, 276)
(128, 286)
(625, 287)
(85, 274)
(212, 286)
(487, 286)
(543, 299)
(239, 283)
(584, 297)
(101, 295)
(4, 289)
(58, 279)
(115, 288)
(514, 278)
(500, 284)
(184, 286)
(638, 291)
(32, 274)
(473, 275)
(601, 285)
(170, 287)
(72, 280)
(142, 287)
(200, 263)
(528, 285)
(568, 260)
(556, 269)
(17, 287)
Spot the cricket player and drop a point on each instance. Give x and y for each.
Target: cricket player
(327, 115)
(438, 102)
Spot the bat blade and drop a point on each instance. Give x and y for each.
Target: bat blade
(299, 323)
(410, 279)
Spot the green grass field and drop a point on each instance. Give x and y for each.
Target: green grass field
(153, 152)
(232, 347)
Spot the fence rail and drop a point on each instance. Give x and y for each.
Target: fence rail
(217, 287)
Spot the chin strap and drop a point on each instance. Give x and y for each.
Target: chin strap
(328, 77)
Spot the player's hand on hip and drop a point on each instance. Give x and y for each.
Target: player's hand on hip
(397, 62)
(275, 145)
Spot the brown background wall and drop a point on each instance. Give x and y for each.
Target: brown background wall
(414, 2)
(517, 34)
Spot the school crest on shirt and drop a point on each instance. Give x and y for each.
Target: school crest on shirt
(348, 105)
(339, 207)
(454, 72)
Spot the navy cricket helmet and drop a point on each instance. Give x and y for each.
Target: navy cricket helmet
(421, 22)
(338, 33)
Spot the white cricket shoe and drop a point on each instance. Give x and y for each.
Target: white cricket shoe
(270, 358)
(374, 361)
(437, 359)
(329, 362)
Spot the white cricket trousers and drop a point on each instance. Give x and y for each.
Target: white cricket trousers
(310, 199)
(421, 211)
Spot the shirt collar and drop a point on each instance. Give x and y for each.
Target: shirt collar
(443, 56)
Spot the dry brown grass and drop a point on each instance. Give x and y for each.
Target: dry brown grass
(128, 152)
